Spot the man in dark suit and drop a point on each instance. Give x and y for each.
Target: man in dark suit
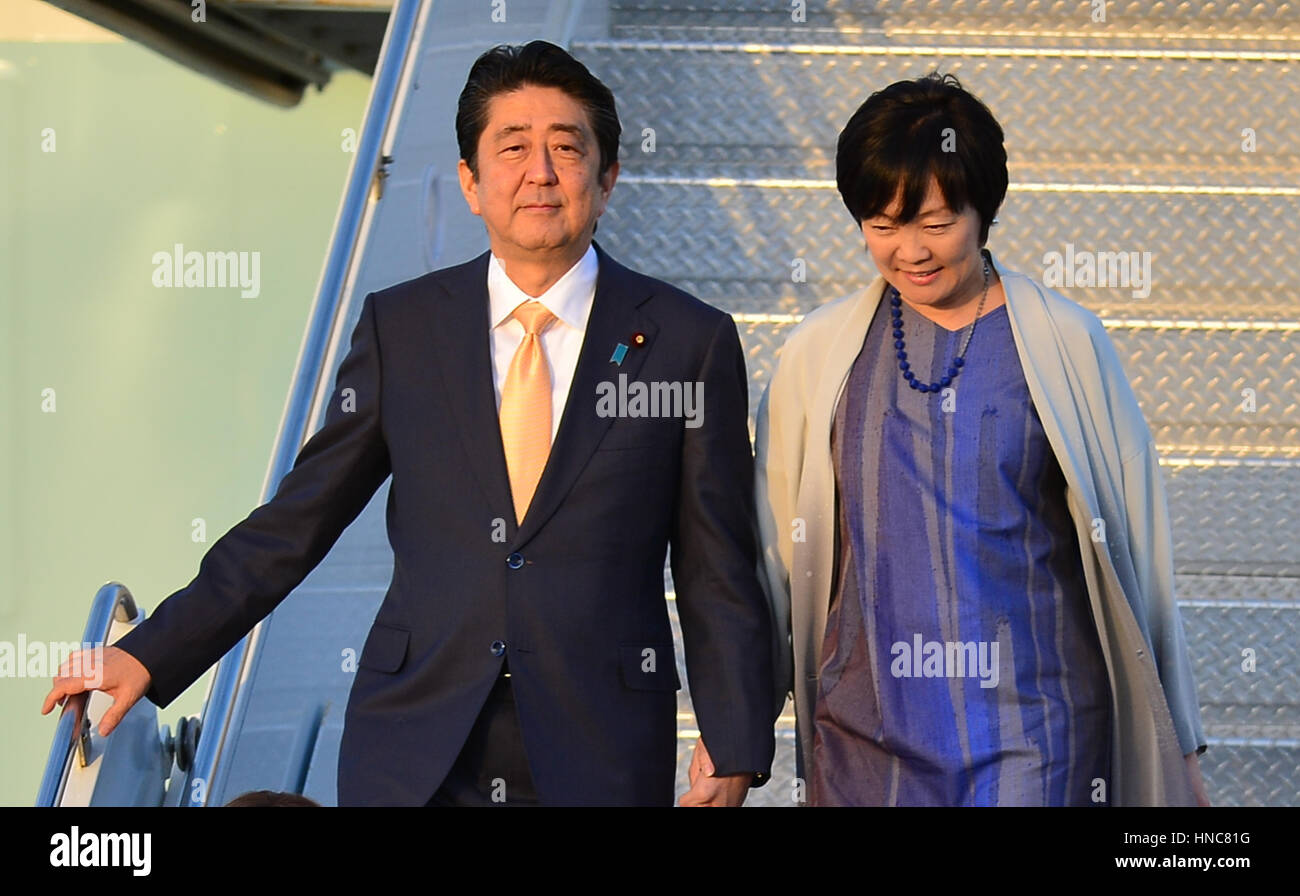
(553, 422)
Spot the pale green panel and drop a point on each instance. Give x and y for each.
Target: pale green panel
(166, 400)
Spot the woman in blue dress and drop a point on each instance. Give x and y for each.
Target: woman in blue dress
(965, 533)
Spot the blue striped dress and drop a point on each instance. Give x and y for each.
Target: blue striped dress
(960, 664)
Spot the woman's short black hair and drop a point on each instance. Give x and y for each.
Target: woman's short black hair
(914, 129)
(506, 68)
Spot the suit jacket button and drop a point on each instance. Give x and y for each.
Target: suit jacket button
(515, 560)
(498, 648)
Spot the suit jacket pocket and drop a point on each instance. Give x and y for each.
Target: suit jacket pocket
(649, 435)
(648, 666)
(385, 649)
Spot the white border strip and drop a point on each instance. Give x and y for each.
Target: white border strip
(809, 183)
(1111, 323)
(1241, 604)
(808, 49)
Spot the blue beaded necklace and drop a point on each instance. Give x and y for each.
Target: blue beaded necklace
(896, 312)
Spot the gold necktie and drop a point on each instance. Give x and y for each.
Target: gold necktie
(526, 407)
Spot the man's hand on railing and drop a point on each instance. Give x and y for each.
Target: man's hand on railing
(116, 673)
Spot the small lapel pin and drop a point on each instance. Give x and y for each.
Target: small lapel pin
(638, 339)
(620, 352)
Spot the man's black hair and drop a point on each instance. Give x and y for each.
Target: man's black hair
(509, 67)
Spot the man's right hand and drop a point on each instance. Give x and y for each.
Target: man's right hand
(116, 673)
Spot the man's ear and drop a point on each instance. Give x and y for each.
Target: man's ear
(468, 185)
(607, 184)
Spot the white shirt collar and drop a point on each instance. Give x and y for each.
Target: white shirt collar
(569, 298)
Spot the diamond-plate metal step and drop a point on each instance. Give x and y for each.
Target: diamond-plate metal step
(1251, 775)
(1243, 589)
(843, 13)
(1079, 170)
(1234, 520)
(1017, 23)
(1202, 251)
(1245, 663)
(1195, 109)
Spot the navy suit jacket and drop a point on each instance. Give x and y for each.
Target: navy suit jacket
(573, 596)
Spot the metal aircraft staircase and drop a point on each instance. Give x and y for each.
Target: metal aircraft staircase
(1133, 125)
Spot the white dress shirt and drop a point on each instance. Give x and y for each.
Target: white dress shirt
(569, 299)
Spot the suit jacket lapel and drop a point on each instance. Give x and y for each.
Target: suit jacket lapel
(458, 332)
(615, 316)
